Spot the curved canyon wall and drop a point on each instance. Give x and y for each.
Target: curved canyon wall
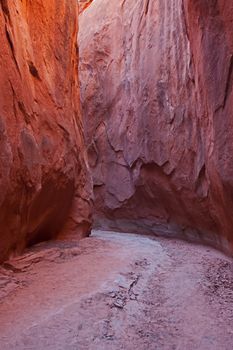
(156, 91)
(44, 178)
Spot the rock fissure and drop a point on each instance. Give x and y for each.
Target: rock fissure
(229, 82)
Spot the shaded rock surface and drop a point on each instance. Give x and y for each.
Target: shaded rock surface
(156, 90)
(44, 178)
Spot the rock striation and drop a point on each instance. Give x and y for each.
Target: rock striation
(156, 91)
(83, 5)
(45, 186)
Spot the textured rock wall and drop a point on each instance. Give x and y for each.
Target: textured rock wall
(83, 5)
(44, 179)
(156, 90)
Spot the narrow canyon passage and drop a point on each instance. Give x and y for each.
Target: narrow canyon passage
(116, 142)
(117, 291)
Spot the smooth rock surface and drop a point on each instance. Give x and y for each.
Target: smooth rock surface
(156, 90)
(44, 177)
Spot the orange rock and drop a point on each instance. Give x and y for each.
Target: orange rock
(156, 89)
(83, 5)
(44, 179)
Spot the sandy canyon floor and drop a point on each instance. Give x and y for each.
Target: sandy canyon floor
(117, 291)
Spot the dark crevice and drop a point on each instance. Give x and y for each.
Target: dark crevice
(5, 8)
(185, 21)
(14, 99)
(33, 70)
(229, 82)
(39, 236)
(24, 112)
(147, 6)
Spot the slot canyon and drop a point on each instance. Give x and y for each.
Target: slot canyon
(116, 174)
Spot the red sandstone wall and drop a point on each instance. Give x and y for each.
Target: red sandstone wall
(156, 88)
(44, 179)
(83, 5)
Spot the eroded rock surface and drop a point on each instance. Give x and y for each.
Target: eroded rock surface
(156, 88)
(44, 179)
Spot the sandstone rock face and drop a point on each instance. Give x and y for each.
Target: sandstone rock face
(156, 90)
(44, 178)
(83, 5)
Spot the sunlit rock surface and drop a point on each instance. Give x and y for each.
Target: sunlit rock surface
(44, 179)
